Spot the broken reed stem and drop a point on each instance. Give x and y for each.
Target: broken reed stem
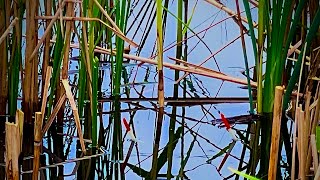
(54, 113)
(202, 72)
(7, 31)
(75, 113)
(183, 68)
(292, 49)
(276, 126)
(294, 146)
(299, 52)
(302, 144)
(45, 90)
(37, 145)
(20, 122)
(314, 152)
(13, 144)
(307, 132)
(65, 66)
(296, 127)
(199, 71)
(193, 70)
(12, 151)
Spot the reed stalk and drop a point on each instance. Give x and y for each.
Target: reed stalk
(46, 49)
(276, 126)
(172, 125)
(30, 83)
(67, 36)
(58, 51)
(75, 112)
(117, 146)
(13, 150)
(54, 113)
(37, 145)
(153, 173)
(245, 59)
(251, 30)
(259, 61)
(93, 81)
(248, 12)
(307, 131)
(315, 156)
(183, 112)
(301, 143)
(66, 29)
(13, 145)
(14, 68)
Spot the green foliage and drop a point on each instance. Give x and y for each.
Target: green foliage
(276, 38)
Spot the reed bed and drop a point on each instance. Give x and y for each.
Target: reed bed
(72, 72)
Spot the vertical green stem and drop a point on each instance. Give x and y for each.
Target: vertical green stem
(117, 147)
(154, 170)
(175, 89)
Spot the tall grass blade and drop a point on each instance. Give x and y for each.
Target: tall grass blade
(159, 9)
(94, 131)
(172, 125)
